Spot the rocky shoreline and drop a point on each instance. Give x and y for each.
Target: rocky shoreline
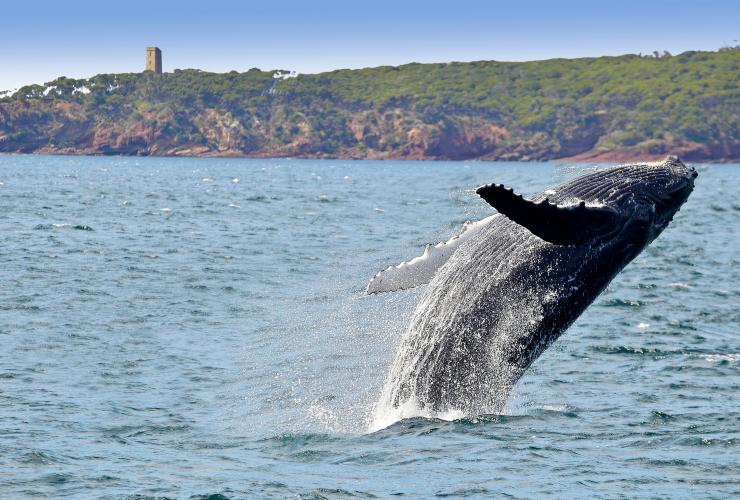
(693, 153)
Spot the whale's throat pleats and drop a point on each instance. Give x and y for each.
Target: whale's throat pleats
(559, 225)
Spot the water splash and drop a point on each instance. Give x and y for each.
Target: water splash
(438, 338)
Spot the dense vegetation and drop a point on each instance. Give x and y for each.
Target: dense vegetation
(600, 108)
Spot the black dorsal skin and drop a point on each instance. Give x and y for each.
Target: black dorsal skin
(506, 294)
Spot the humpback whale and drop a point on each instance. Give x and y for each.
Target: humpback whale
(509, 285)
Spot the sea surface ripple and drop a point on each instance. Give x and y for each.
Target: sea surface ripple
(194, 327)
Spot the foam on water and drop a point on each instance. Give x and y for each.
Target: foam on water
(385, 414)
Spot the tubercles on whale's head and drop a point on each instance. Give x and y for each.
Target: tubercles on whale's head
(672, 191)
(674, 163)
(662, 186)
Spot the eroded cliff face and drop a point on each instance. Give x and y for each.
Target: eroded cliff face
(604, 109)
(51, 127)
(65, 128)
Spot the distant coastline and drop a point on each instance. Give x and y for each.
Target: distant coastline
(606, 109)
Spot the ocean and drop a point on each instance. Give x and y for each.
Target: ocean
(188, 328)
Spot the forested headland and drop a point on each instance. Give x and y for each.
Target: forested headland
(591, 109)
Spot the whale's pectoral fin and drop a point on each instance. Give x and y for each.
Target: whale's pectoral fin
(422, 269)
(560, 225)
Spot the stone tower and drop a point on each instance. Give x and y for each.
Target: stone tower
(153, 59)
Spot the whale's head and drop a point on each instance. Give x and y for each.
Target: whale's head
(634, 201)
(668, 189)
(647, 194)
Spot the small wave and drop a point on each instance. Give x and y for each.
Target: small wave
(310, 456)
(706, 441)
(47, 227)
(336, 493)
(646, 286)
(682, 325)
(56, 478)
(555, 408)
(679, 286)
(660, 416)
(635, 351)
(87, 291)
(126, 433)
(722, 358)
(623, 303)
(40, 458)
(290, 440)
(475, 491)
(19, 307)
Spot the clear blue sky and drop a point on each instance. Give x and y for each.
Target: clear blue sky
(41, 40)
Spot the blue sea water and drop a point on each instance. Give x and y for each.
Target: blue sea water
(194, 327)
